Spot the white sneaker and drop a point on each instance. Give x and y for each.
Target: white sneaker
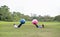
(15, 26)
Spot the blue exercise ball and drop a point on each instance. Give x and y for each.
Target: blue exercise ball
(22, 21)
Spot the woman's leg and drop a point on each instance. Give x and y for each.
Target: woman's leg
(37, 26)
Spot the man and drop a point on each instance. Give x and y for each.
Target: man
(22, 21)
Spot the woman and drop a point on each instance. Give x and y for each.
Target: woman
(35, 22)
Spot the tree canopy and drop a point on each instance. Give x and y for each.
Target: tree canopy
(6, 15)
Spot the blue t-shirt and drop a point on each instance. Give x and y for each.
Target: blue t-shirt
(22, 21)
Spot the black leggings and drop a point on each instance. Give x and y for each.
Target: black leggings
(19, 25)
(37, 26)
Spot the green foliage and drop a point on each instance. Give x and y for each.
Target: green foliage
(43, 18)
(6, 15)
(57, 18)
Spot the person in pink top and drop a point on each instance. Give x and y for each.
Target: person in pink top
(35, 22)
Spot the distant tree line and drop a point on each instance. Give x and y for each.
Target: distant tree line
(6, 15)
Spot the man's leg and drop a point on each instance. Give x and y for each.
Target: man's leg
(19, 25)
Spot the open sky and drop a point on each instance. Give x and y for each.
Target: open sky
(39, 7)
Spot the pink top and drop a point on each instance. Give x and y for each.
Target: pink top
(35, 21)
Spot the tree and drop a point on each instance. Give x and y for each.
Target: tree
(6, 15)
(57, 18)
(0, 16)
(33, 16)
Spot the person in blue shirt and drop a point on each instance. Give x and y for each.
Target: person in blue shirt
(22, 21)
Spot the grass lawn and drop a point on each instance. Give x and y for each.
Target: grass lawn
(52, 29)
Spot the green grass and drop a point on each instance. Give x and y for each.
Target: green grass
(52, 29)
